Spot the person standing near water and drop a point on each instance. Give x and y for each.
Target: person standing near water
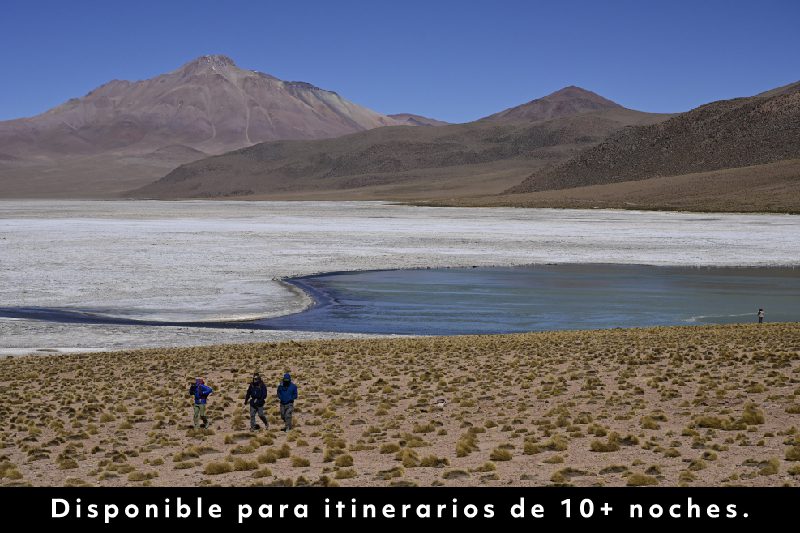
(257, 396)
(201, 392)
(287, 394)
(760, 316)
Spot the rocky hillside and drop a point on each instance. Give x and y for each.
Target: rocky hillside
(726, 134)
(418, 163)
(562, 103)
(410, 119)
(208, 104)
(130, 132)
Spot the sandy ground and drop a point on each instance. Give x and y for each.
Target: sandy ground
(709, 405)
(190, 261)
(41, 338)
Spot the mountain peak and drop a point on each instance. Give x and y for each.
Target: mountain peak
(570, 100)
(213, 62)
(575, 92)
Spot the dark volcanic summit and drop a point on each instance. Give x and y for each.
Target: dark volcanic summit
(562, 103)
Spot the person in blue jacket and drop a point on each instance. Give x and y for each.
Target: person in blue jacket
(201, 392)
(287, 394)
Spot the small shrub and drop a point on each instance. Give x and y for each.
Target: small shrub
(793, 453)
(500, 454)
(344, 461)
(390, 448)
(431, 461)
(241, 465)
(641, 480)
(262, 472)
(299, 462)
(345, 473)
(216, 468)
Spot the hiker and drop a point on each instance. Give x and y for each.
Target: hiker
(200, 392)
(760, 316)
(287, 394)
(257, 396)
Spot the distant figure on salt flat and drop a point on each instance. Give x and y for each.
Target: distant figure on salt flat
(760, 316)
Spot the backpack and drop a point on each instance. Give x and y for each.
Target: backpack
(193, 389)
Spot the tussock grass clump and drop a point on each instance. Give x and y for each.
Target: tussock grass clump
(284, 452)
(500, 454)
(613, 469)
(142, 476)
(268, 456)
(466, 444)
(344, 460)
(610, 445)
(241, 465)
(455, 474)
(299, 462)
(408, 457)
(486, 467)
(557, 443)
(697, 464)
(793, 453)
(345, 473)
(392, 473)
(262, 472)
(770, 467)
(640, 480)
(390, 448)
(752, 414)
(431, 461)
(67, 464)
(217, 468)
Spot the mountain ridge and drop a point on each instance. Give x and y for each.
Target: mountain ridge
(208, 104)
(725, 134)
(407, 163)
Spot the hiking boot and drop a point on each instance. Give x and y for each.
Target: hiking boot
(255, 428)
(285, 429)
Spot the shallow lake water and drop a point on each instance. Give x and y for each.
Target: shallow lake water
(551, 297)
(453, 301)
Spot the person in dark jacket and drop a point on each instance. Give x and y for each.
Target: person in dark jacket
(257, 396)
(201, 392)
(287, 394)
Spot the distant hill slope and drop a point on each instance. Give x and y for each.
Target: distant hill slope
(562, 103)
(207, 106)
(773, 187)
(484, 156)
(721, 135)
(409, 119)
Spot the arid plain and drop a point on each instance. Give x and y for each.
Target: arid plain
(713, 405)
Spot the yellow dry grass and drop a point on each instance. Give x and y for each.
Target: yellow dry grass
(711, 405)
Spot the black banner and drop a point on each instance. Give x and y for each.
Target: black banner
(124, 508)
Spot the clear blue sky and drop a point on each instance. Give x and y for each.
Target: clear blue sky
(453, 60)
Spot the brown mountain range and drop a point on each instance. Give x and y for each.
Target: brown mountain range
(728, 134)
(126, 133)
(481, 157)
